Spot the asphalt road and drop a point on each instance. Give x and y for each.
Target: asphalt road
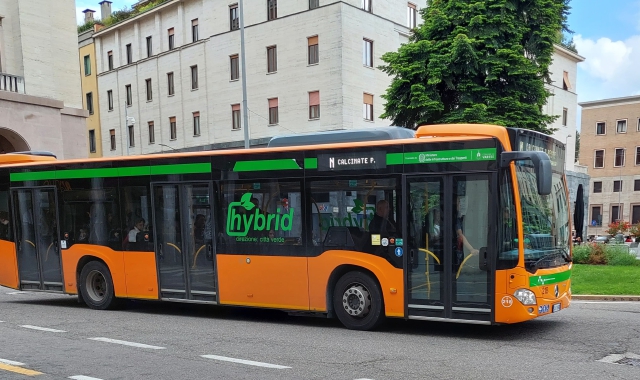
(150, 340)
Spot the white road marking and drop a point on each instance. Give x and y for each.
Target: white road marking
(18, 293)
(125, 343)
(42, 328)
(80, 377)
(615, 302)
(11, 362)
(242, 361)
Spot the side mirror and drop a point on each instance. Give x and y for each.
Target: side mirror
(541, 165)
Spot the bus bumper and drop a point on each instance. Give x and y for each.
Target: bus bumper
(9, 267)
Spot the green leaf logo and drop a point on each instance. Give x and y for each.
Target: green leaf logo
(358, 206)
(245, 202)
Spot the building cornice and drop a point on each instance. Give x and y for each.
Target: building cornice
(135, 18)
(568, 53)
(611, 102)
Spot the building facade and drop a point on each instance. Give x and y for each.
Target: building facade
(310, 66)
(90, 101)
(563, 103)
(40, 101)
(610, 147)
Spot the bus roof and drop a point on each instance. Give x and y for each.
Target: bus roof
(341, 136)
(433, 133)
(26, 157)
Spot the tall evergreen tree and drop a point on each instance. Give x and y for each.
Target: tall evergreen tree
(476, 61)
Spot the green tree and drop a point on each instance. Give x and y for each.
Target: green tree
(476, 61)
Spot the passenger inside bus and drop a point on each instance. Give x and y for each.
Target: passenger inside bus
(381, 223)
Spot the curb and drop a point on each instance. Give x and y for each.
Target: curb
(584, 297)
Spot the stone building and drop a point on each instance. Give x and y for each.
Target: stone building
(610, 147)
(40, 101)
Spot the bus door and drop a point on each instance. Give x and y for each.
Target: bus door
(37, 238)
(184, 233)
(447, 266)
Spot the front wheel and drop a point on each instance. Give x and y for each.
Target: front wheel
(96, 286)
(357, 301)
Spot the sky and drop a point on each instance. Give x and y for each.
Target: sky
(606, 34)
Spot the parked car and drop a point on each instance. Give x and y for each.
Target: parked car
(601, 239)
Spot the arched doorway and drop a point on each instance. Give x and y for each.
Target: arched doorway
(10, 141)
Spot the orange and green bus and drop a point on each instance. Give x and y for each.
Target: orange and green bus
(457, 223)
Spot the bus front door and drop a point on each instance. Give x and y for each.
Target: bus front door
(37, 239)
(449, 227)
(184, 233)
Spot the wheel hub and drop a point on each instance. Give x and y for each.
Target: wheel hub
(356, 301)
(96, 286)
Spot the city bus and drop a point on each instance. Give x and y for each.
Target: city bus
(453, 223)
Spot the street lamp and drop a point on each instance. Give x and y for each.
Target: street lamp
(622, 162)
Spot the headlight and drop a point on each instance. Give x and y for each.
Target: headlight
(526, 296)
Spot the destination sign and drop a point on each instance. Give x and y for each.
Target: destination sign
(461, 155)
(352, 161)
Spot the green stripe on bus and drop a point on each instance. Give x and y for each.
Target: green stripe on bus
(133, 171)
(549, 279)
(264, 165)
(32, 176)
(460, 155)
(204, 167)
(310, 163)
(395, 159)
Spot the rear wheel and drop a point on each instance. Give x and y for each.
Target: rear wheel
(96, 286)
(357, 301)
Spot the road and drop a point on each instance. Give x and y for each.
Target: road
(56, 338)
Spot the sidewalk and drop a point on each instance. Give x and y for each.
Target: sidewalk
(586, 297)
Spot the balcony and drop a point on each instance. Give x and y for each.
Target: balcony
(11, 83)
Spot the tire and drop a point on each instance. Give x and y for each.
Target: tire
(357, 301)
(96, 286)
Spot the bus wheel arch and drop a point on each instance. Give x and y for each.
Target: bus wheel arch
(355, 281)
(95, 284)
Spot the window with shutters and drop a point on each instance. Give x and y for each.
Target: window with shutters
(170, 87)
(152, 132)
(149, 90)
(129, 54)
(367, 52)
(314, 105)
(87, 65)
(272, 59)
(366, 5)
(90, 102)
(110, 60)
(194, 30)
(235, 117)
(234, 66)
(412, 15)
(194, 77)
(619, 158)
(173, 130)
(149, 46)
(129, 95)
(234, 17)
(112, 138)
(367, 107)
(598, 161)
(313, 50)
(273, 111)
(110, 100)
(621, 126)
(196, 123)
(597, 186)
(171, 38)
(272, 9)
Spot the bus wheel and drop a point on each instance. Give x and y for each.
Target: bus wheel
(357, 301)
(96, 286)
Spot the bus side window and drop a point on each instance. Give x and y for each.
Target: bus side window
(5, 220)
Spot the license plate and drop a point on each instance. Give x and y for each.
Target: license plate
(543, 309)
(555, 308)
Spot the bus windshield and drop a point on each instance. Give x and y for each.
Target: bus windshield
(545, 220)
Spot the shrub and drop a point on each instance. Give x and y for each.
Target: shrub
(581, 254)
(618, 255)
(597, 255)
(86, 26)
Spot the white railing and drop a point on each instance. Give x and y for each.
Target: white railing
(11, 83)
